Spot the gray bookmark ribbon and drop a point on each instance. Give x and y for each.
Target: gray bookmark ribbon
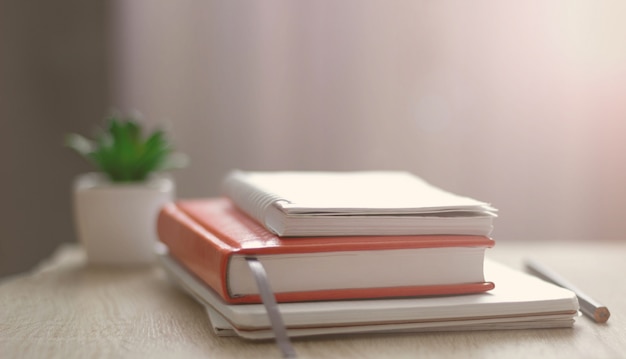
(269, 301)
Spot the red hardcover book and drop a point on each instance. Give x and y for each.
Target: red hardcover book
(212, 238)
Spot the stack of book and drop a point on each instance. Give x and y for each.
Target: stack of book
(349, 252)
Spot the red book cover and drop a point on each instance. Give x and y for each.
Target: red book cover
(204, 234)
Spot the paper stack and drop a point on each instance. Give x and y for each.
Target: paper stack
(519, 301)
(349, 252)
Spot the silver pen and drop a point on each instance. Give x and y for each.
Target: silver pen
(588, 305)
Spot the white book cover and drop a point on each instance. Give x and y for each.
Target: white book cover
(305, 203)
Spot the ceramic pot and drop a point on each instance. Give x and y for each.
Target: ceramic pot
(116, 222)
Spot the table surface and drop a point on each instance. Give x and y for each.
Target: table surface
(67, 309)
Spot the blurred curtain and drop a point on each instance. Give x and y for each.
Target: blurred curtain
(522, 104)
(517, 103)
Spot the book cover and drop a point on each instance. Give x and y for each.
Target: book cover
(521, 302)
(212, 238)
(355, 203)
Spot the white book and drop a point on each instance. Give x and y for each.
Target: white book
(355, 203)
(519, 301)
(221, 326)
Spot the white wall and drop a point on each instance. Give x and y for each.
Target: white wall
(522, 104)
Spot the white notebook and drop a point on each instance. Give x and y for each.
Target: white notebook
(519, 301)
(355, 203)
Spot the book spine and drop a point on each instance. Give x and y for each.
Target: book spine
(250, 199)
(201, 252)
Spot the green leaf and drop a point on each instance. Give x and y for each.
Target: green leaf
(79, 144)
(123, 154)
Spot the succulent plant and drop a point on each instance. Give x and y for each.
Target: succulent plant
(124, 154)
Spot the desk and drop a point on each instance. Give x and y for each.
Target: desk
(65, 309)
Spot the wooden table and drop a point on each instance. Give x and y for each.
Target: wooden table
(65, 309)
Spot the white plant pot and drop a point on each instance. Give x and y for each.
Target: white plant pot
(116, 222)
